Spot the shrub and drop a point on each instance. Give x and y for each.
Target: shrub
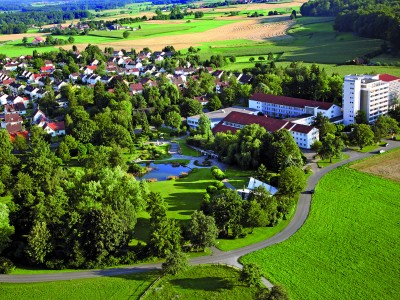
(175, 263)
(151, 180)
(219, 185)
(183, 175)
(172, 177)
(218, 174)
(211, 189)
(6, 265)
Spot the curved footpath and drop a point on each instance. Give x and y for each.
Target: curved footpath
(229, 257)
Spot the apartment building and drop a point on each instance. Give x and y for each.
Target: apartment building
(367, 93)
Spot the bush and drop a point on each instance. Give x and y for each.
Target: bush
(211, 189)
(183, 175)
(55, 264)
(219, 185)
(175, 263)
(6, 265)
(218, 174)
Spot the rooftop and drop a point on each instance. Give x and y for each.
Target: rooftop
(289, 101)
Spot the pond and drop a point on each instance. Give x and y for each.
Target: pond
(162, 171)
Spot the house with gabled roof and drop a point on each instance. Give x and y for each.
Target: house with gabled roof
(136, 88)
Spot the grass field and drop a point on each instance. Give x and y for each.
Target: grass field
(322, 163)
(385, 165)
(118, 287)
(348, 248)
(185, 150)
(183, 197)
(202, 282)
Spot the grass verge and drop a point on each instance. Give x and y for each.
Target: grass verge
(322, 163)
(348, 246)
(202, 282)
(117, 287)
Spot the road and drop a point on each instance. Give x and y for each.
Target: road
(229, 257)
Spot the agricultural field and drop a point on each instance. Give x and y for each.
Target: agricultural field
(385, 165)
(349, 245)
(117, 287)
(202, 282)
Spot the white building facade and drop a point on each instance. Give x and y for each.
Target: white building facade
(288, 107)
(366, 93)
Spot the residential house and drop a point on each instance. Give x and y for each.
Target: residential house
(16, 87)
(54, 128)
(31, 91)
(37, 40)
(136, 88)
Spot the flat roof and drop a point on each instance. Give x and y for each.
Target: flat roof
(219, 115)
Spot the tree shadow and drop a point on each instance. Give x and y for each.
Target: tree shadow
(205, 283)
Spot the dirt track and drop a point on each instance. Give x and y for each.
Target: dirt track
(254, 29)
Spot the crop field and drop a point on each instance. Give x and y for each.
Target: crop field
(385, 165)
(202, 282)
(117, 287)
(348, 248)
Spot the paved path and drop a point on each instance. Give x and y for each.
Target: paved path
(229, 257)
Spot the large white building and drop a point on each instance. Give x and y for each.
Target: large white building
(304, 135)
(367, 93)
(218, 115)
(288, 107)
(394, 87)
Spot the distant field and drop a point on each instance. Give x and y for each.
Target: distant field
(202, 282)
(348, 248)
(385, 165)
(116, 287)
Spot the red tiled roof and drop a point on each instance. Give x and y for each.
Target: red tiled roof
(302, 128)
(270, 124)
(136, 87)
(223, 128)
(14, 128)
(56, 126)
(289, 101)
(13, 118)
(46, 68)
(388, 77)
(24, 134)
(91, 67)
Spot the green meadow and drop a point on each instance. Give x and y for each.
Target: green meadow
(348, 248)
(129, 286)
(202, 282)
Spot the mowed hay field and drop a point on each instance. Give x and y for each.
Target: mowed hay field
(348, 248)
(386, 165)
(117, 287)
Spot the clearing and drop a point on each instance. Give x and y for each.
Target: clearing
(385, 165)
(348, 247)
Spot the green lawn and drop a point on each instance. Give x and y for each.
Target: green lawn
(202, 282)
(183, 196)
(322, 163)
(348, 248)
(185, 149)
(369, 148)
(116, 287)
(237, 177)
(259, 234)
